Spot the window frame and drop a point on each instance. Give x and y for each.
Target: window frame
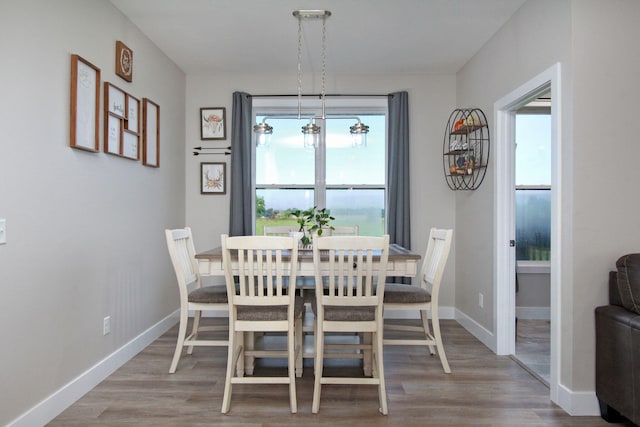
(356, 105)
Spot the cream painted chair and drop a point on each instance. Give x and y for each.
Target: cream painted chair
(279, 230)
(345, 230)
(260, 301)
(198, 299)
(422, 298)
(350, 302)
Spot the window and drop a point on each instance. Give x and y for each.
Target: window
(533, 187)
(349, 181)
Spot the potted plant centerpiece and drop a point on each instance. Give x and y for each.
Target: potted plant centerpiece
(312, 221)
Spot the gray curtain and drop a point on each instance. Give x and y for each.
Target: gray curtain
(240, 176)
(398, 206)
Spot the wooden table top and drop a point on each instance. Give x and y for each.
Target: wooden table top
(396, 253)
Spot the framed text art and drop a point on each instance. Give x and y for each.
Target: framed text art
(121, 123)
(213, 123)
(85, 105)
(124, 61)
(150, 133)
(213, 178)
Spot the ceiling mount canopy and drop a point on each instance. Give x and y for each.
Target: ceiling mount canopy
(311, 131)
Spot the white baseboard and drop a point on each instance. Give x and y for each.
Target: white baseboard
(53, 405)
(485, 336)
(578, 403)
(575, 403)
(537, 313)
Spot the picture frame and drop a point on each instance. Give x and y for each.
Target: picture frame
(133, 114)
(150, 133)
(130, 147)
(124, 61)
(114, 100)
(112, 134)
(213, 123)
(84, 105)
(213, 178)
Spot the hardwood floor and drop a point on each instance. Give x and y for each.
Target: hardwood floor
(483, 390)
(533, 347)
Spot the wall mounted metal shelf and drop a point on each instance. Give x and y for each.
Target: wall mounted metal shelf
(465, 149)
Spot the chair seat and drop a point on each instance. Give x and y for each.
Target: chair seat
(405, 294)
(270, 312)
(347, 314)
(209, 294)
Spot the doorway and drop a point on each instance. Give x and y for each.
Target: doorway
(533, 235)
(505, 260)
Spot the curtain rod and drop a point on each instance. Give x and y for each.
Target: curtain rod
(316, 95)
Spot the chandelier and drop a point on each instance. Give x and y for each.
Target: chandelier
(311, 130)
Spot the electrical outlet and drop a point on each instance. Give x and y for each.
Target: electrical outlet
(106, 325)
(481, 300)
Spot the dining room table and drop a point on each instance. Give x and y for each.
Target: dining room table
(401, 262)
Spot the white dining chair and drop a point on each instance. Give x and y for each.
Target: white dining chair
(422, 298)
(257, 274)
(279, 230)
(193, 296)
(349, 297)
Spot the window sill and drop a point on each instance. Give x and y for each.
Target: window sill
(533, 267)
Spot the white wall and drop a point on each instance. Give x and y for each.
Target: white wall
(592, 40)
(85, 231)
(431, 100)
(605, 219)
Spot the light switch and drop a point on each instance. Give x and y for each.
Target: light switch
(3, 231)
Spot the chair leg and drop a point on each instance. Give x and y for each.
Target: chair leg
(292, 362)
(299, 346)
(379, 368)
(427, 332)
(194, 329)
(315, 407)
(226, 399)
(182, 332)
(435, 320)
(366, 339)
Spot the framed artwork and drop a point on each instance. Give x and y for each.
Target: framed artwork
(124, 61)
(213, 178)
(114, 100)
(85, 105)
(150, 133)
(213, 123)
(130, 145)
(133, 114)
(112, 134)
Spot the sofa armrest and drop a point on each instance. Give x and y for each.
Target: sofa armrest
(614, 358)
(614, 292)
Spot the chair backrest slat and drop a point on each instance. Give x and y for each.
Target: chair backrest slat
(435, 260)
(259, 266)
(182, 253)
(355, 270)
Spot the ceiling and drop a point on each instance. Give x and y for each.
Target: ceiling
(363, 36)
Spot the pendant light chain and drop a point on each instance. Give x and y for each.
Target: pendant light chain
(311, 130)
(324, 61)
(299, 67)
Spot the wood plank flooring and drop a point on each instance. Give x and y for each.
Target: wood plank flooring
(533, 347)
(483, 390)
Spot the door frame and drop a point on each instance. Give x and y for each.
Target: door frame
(504, 220)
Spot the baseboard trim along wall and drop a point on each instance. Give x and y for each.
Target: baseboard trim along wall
(574, 403)
(55, 404)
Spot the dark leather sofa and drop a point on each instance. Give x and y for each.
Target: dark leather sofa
(618, 344)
